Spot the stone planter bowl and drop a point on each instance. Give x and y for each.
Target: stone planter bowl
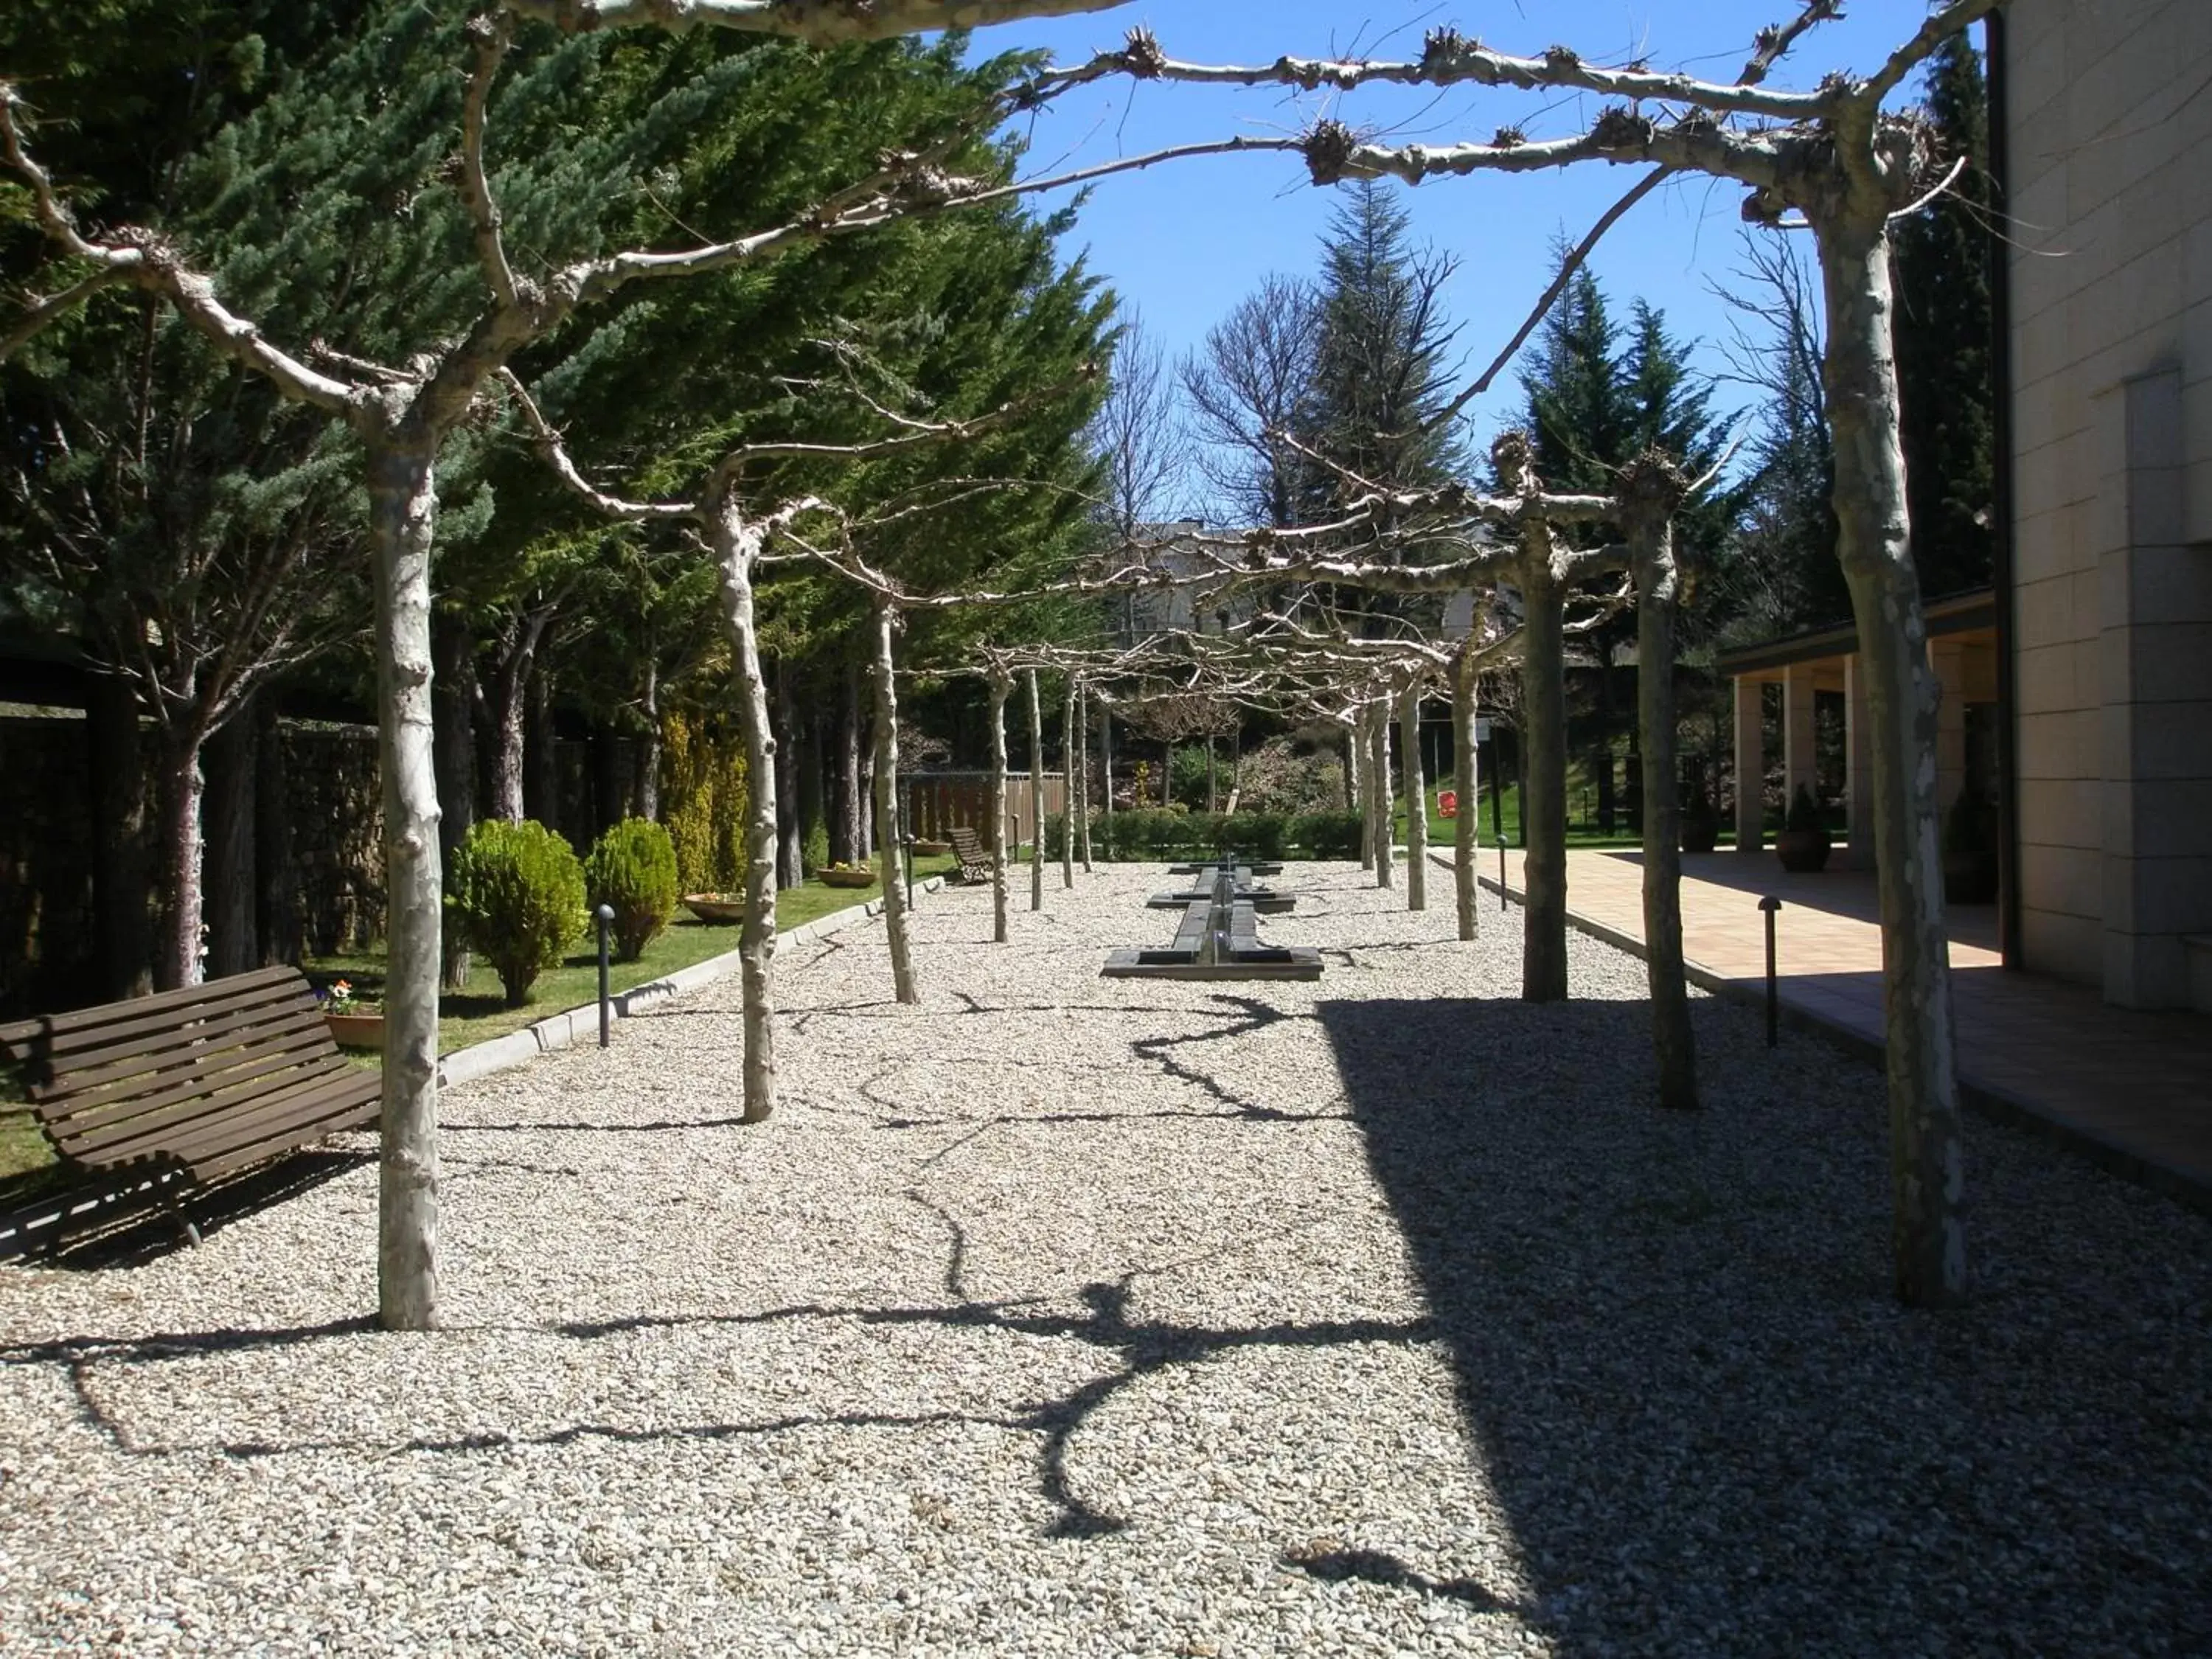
(713, 908)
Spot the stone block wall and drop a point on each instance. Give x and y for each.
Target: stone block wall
(2110, 127)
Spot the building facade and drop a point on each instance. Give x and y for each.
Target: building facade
(2105, 111)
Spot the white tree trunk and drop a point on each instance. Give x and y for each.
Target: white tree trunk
(1358, 798)
(1673, 1039)
(184, 851)
(1378, 791)
(645, 788)
(1106, 757)
(1081, 779)
(737, 544)
(1465, 754)
(403, 510)
(1002, 687)
(1417, 799)
(1874, 546)
(1070, 758)
(887, 823)
(1544, 782)
(1036, 796)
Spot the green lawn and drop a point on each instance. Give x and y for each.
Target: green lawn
(1579, 833)
(480, 1012)
(23, 1151)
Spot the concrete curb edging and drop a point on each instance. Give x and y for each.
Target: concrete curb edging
(1990, 1100)
(580, 1025)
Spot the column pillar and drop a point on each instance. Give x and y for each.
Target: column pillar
(1797, 752)
(1750, 764)
(1858, 765)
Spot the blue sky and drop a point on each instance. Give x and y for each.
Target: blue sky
(1183, 242)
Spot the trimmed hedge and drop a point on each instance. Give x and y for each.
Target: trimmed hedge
(632, 869)
(1152, 833)
(517, 895)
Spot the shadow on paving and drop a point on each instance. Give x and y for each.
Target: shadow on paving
(1710, 1427)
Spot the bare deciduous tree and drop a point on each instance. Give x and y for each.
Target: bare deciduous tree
(1248, 386)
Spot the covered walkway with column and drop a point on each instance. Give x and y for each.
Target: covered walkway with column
(1823, 731)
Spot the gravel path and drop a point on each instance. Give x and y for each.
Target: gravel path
(1063, 1316)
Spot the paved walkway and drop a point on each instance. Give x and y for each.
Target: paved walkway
(2132, 1089)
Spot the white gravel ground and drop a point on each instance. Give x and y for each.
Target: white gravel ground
(1062, 1316)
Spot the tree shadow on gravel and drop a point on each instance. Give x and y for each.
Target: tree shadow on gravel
(1330, 1560)
(1712, 1428)
(1141, 1348)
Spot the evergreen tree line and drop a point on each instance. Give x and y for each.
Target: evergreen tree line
(195, 543)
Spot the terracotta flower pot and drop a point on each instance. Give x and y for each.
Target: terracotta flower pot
(846, 878)
(930, 849)
(1803, 852)
(364, 1030)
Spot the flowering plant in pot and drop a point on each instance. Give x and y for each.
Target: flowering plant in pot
(845, 875)
(356, 1021)
(1804, 843)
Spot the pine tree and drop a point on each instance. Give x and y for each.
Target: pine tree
(1580, 418)
(1378, 365)
(1595, 403)
(171, 515)
(1947, 389)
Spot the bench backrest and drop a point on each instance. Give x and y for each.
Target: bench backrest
(964, 841)
(129, 1080)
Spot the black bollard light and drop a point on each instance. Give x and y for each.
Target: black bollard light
(605, 913)
(1772, 906)
(1501, 873)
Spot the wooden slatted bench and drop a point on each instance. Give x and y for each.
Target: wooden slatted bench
(976, 862)
(190, 1086)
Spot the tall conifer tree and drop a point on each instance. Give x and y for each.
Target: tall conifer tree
(1947, 384)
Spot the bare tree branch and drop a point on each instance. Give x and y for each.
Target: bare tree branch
(39, 315)
(823, 23)
(145, 260)
(488, 38)
(1449, 58)
(1568, 266)
(1940, 25)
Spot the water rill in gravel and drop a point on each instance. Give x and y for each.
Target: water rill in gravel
(1219, 939)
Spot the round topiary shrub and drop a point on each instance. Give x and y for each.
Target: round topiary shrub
(517, 895)
(632, 868)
